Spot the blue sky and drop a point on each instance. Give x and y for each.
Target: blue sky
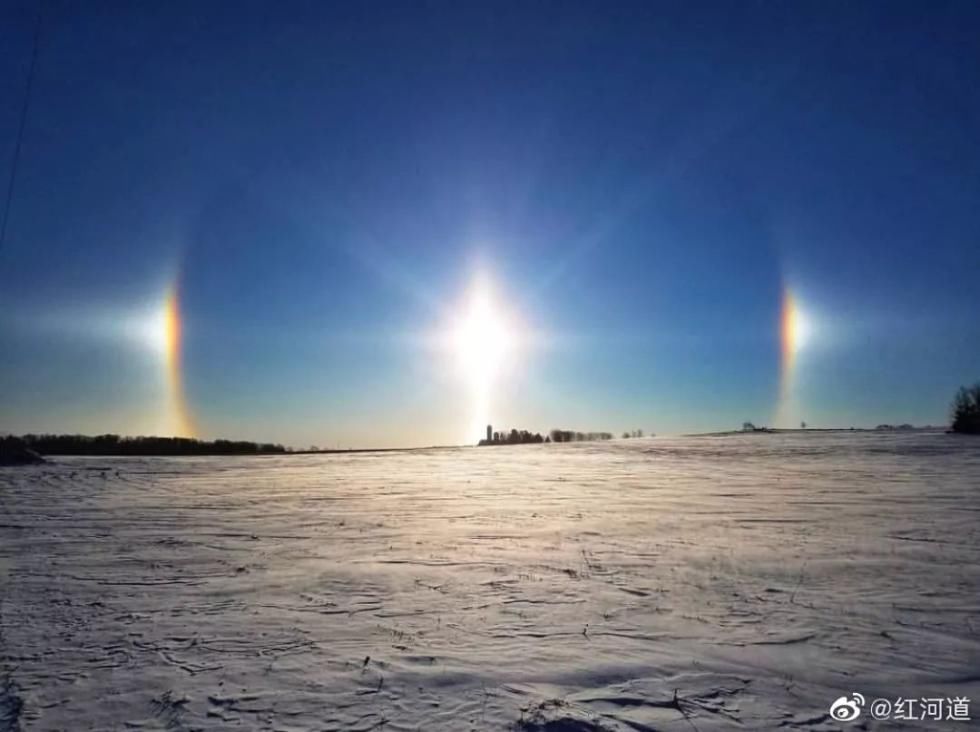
(639, 182)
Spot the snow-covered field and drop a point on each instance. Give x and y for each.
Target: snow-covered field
(549, 587)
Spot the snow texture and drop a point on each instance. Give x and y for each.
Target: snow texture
(711, 583)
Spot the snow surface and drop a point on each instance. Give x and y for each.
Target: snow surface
(540, 587)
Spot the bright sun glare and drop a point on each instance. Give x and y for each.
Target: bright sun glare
(483, 339)
(801, 330)
(159, 329)
(797, 327)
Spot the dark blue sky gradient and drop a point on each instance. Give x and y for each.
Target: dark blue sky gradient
(641, 180)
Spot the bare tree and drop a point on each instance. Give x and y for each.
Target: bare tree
(966, 410)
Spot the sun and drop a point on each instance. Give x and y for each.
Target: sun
(483, 339)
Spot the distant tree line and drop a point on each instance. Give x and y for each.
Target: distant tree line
(570, 436)
(116, 445)
(634, 433)
(523, 437)
(13, 451)
(966, 410)
(514, 437)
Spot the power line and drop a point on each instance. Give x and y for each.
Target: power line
(20, 130)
